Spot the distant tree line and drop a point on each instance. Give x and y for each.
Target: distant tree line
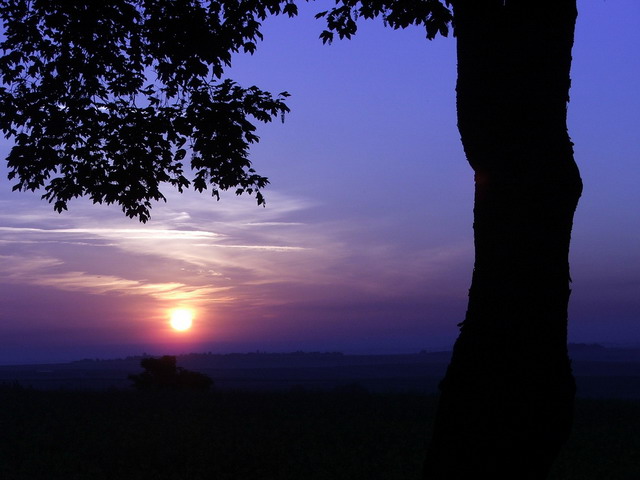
(164, 374)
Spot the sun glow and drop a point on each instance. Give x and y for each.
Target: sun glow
(181, 319)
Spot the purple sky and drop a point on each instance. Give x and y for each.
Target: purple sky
(366, 241)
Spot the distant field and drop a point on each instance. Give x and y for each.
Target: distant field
(600, 372)
(297, 435)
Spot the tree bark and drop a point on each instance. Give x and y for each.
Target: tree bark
(506, 403)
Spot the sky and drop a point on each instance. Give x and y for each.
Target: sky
(366, 242)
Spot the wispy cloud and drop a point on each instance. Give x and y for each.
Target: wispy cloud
(41, 272)
(191, 253)
(119, 233)
(198, 250)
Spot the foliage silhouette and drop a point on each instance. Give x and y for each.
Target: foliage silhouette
(106, 99)
(87, 121)
(163, 374)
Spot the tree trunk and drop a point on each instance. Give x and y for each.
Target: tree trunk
(506, 402)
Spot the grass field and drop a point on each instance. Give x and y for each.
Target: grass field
(261, 436)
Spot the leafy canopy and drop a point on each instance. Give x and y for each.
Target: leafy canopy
(433, 15)
(107, 98)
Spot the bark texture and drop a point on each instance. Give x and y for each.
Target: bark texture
(506, 403)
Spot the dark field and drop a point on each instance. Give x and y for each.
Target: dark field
(301, 435)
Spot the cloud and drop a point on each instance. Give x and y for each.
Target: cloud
(187, 253)
(200, 251)
(37, 271)
(14, 266)
(117, 233)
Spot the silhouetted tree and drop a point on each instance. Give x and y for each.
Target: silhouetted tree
(164, 374)
(86, 121)
(506, 404)
(507, 399)
(105, 99)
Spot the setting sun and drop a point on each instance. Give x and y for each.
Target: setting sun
(181, 319)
